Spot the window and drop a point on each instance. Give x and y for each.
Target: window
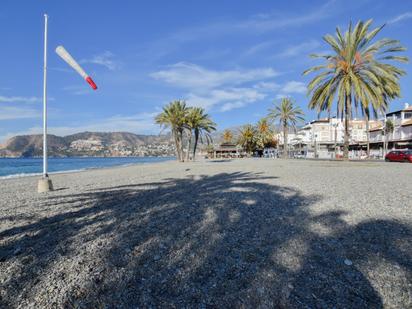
(407, 115)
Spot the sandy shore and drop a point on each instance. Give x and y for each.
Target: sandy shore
(268, 233)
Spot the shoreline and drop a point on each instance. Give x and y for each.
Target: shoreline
(29, 175)
(63, 172)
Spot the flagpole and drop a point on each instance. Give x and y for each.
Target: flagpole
(45, 100)
(45, 184)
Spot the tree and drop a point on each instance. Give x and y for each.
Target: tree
(191, 121)
(356, 71)
(174, 116)
(388, 129)
(202, 126)
(366, 115)
(288, 116)
(227, 136)
(247, 138)
(265, 133)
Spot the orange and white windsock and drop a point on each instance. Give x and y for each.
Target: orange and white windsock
(62, 52)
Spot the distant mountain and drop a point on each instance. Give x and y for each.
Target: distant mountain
(89, 144)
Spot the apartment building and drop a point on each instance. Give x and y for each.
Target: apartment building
(324, 138)
(400, 138)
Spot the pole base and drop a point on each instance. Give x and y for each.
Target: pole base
(44, 185)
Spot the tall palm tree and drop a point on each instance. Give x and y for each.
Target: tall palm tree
(288, 116)
(366, 115)
(227, 136)
(190, 123)
(199, 124)
(356, 70)
(265, 133)
(247, 138)
(174, 116)
(388, 129)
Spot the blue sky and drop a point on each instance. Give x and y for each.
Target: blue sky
(235, 58)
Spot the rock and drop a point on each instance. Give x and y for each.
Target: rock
(347, 262)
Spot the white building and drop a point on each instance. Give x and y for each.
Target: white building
(279, 137)
(86, 145)
(400, 138)
(324, 138)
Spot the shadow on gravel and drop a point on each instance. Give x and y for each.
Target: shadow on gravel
(229, 240)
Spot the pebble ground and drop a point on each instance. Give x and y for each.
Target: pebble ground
(249, 233)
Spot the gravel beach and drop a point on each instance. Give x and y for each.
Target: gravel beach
(244, 233)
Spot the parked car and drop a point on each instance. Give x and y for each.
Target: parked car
(399, 156)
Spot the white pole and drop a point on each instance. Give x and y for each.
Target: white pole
(45, 99)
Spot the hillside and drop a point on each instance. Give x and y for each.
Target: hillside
(89, 144)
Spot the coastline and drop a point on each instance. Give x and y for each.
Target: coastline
(37, 174)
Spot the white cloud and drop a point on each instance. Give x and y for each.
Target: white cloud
(269, 86)
(268, 22)
(228, 99)
(302, 48)
(232, 105)
(258, 48)
(257, 23)
(12, 99)
(225, 90)
(400, 18)
(10, 113)
(105, 59)
(294, 87)
(190, 76)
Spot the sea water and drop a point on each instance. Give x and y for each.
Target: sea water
(20, 167)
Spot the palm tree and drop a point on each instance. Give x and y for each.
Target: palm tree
(356, 71)
(190, 122)
(200, 124)
(173, 116)
(265, 133)
(247, 138)
(366, 115)
(388, 129)
(227, 136)
(288, 116)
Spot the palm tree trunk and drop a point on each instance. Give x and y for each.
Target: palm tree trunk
(367, 137)
(285, 140)
(176, 138)
(189, 144)
(196, 142)
(385, 145)
(182, 156)
(346, 140)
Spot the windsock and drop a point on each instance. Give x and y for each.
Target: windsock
(62, 52)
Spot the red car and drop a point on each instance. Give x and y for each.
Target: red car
(399, 156)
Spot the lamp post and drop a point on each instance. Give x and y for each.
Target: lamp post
(45, 183)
